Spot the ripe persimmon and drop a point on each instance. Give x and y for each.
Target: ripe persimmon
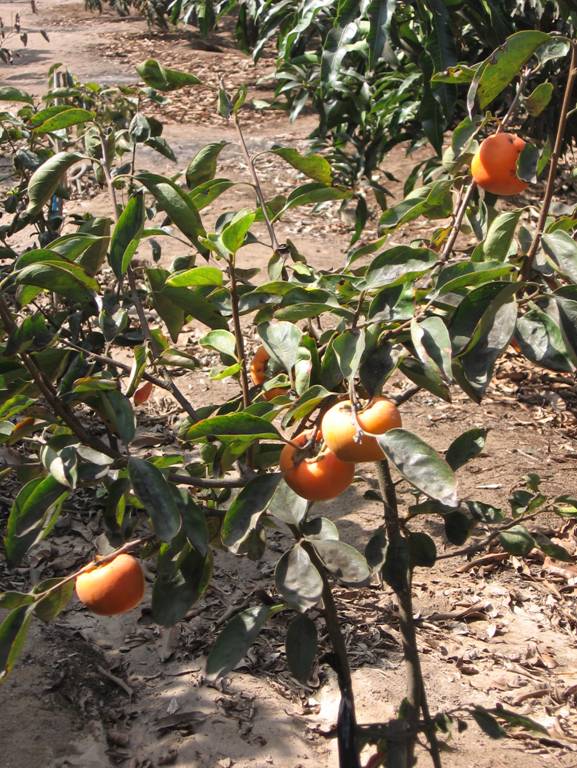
(340, 429)
(258, 366)
(317, 477)
(111, 588)
(494, 166)
(143, 393)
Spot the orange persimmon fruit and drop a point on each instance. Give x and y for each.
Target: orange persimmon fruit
(318, 477)
(113, 587)
(340, 430)
(494, 166)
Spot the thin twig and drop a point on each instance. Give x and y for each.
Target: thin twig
(534, 247)
(239, 338)
(212, 482)
(257, 186)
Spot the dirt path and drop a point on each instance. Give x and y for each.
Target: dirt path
(91, 693)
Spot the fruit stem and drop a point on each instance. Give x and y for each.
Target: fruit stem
(347, 728)
(416, 699)
(531, 253)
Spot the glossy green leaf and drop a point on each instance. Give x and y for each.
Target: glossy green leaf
(202, 167)
(233, 425)
(45, 180)
(297, 579)
(164, 79)
(466, 447)
(517, 540)
(176, 204)
(538, 100)
(422, 550)
(314, 166)
(13, 631)
(562, 252)
(540, 340)
(128, 229)
(9, 93)
(244, 513)
(33, 513)
(399, 264)
(504, 65)
(155, 494)
(181, 579)
(281, 340)
(420, 465)
(286, 505)
(344, 562)
(65, 119)
(49, 607)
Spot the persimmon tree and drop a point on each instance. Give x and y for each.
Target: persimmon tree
(437, 314)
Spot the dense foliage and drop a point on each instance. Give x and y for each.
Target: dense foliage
(440, 317)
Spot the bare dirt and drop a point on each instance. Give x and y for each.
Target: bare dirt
(91, 693)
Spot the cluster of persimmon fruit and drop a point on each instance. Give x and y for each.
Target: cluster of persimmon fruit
(318, 464)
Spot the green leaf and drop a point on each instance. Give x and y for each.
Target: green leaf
(244, 513)
(9, 93)
(538, 100)
(568, 322)
(45, 179)
(202, 167)
(487, 723)
(499, 238)
(380, 15)
(297, 579)
(556, 551)
(528, 163)
(196, 276)
(288, 506)
(281, 340)
(420, 465)
(235, 639)
(562, 252)
(13, 631)
(377, 366)
(312, 193)
(475, 365)
(155, 494)
(220, 340)
(182, 577)
(458, 526)
(422, 550)
(65, 119)
(517, 541)
(234, 233)
(48, 608)
(541, 341)
(348, 348)
(398, 265)
(343, 561)
(466, 447)
(504, 65)
(301, 647)
(432, 344)
(33, 513)
(176, 204)
(314, 166)
(128, 229)
(164, 79)
(233, 425)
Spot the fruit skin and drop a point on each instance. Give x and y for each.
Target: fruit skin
(143, 393)
(339, 429)
(258, 366)
(494, 167)
(112, 588)
(318, 478)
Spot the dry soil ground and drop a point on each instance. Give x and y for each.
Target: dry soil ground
(90, 693)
